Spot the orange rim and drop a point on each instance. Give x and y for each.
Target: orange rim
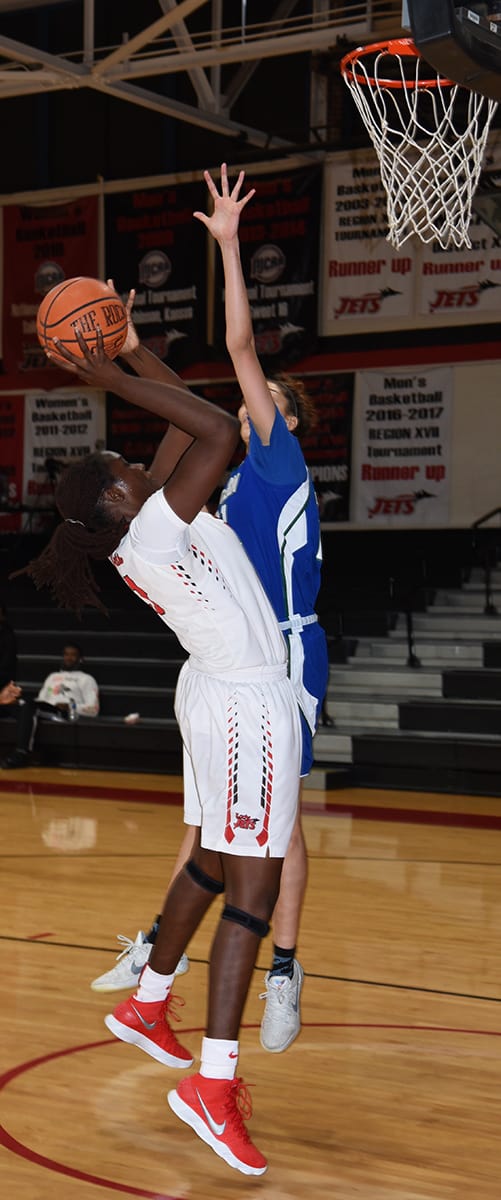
(400, 48)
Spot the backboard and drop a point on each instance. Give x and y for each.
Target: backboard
(462, 42)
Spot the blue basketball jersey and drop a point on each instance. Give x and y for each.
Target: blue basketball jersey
(270, 502)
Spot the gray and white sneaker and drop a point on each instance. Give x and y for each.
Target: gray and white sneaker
(281, 1021)
(130, 963)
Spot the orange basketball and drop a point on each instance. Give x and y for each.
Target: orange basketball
(82, 303)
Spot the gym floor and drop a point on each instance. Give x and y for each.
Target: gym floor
(391, 1092)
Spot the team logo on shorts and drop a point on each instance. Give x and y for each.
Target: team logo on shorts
(242, 821)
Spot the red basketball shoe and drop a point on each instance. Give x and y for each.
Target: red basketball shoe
(146, 1026)
(216, 1110)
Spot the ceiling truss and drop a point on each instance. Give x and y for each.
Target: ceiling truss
(168, 46)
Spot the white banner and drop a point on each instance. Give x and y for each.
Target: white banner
(401, 448)
(363, 276)
(369, 287)
(60, 426)
(462, 281)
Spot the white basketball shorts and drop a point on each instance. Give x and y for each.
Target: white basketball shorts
(242, 759)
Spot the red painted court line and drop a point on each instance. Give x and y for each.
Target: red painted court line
(330, 808)
(411, 816)
(41, 1160)
(34, 937)
(50, 1164)
(89, 792)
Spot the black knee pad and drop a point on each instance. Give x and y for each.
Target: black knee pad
(204, 881)
(253, 924)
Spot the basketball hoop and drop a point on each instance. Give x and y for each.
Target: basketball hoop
(429, 135)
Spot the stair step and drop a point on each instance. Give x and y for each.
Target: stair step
(378, 681)
(455, 620)
(396, 649)
(349, 710)
(442, 633)
(327, 778)
(332, 745)
(471, 600)
(440, 662)
(459, 716)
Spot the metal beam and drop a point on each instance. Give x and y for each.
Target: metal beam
(151, 32)
(33, 83)
(182, 38)
(250, 50)
(184, 112)
(88, 33)
(19, 52)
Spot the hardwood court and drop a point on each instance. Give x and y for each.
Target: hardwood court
(392, 1091)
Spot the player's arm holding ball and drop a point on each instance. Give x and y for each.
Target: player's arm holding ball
(149, 366)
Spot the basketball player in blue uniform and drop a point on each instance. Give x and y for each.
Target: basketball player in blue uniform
(270, 502)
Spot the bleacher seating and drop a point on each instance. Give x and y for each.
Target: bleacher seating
(134, 659)
(379, 591)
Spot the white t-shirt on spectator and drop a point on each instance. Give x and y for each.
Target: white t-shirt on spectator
(62, 686)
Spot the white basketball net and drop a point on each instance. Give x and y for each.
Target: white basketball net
(430, 148)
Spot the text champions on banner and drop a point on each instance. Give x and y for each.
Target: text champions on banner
(401, 448)
(154, 244)
(42, 246)
(327, 449)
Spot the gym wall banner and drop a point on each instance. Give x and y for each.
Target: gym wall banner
(60, 427)
(279, 245)
(155, 245)
(132, 432)
(11, 460)
(42, 246)
(135, 433)
(365, 283)
(368, 287)
(327, 449)
(401, 448)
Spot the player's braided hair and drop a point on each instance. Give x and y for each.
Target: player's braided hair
(299, 403)
(86, 532)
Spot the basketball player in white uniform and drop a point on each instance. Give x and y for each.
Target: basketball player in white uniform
(236, 708)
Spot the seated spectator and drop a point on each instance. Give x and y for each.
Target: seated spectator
(8, 650)
(66, 694)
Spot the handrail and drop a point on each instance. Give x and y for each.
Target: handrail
(480, 521)
(490, 609)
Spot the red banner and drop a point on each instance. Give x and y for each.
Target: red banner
(42, 246)
(11, 460)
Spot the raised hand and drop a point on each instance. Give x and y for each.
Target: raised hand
(132, 341)
(224, 221)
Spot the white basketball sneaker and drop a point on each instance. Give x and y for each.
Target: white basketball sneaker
(281, 1021)
(130, 963)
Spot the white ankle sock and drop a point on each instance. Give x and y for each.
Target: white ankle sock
(153, 986)
(219, 1058)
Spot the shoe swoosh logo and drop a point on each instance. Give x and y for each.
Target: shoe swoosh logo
(217, 1129)
(147, 1024)
(135, 970)
(232, 1055)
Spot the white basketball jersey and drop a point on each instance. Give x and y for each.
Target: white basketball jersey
(200, 582)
